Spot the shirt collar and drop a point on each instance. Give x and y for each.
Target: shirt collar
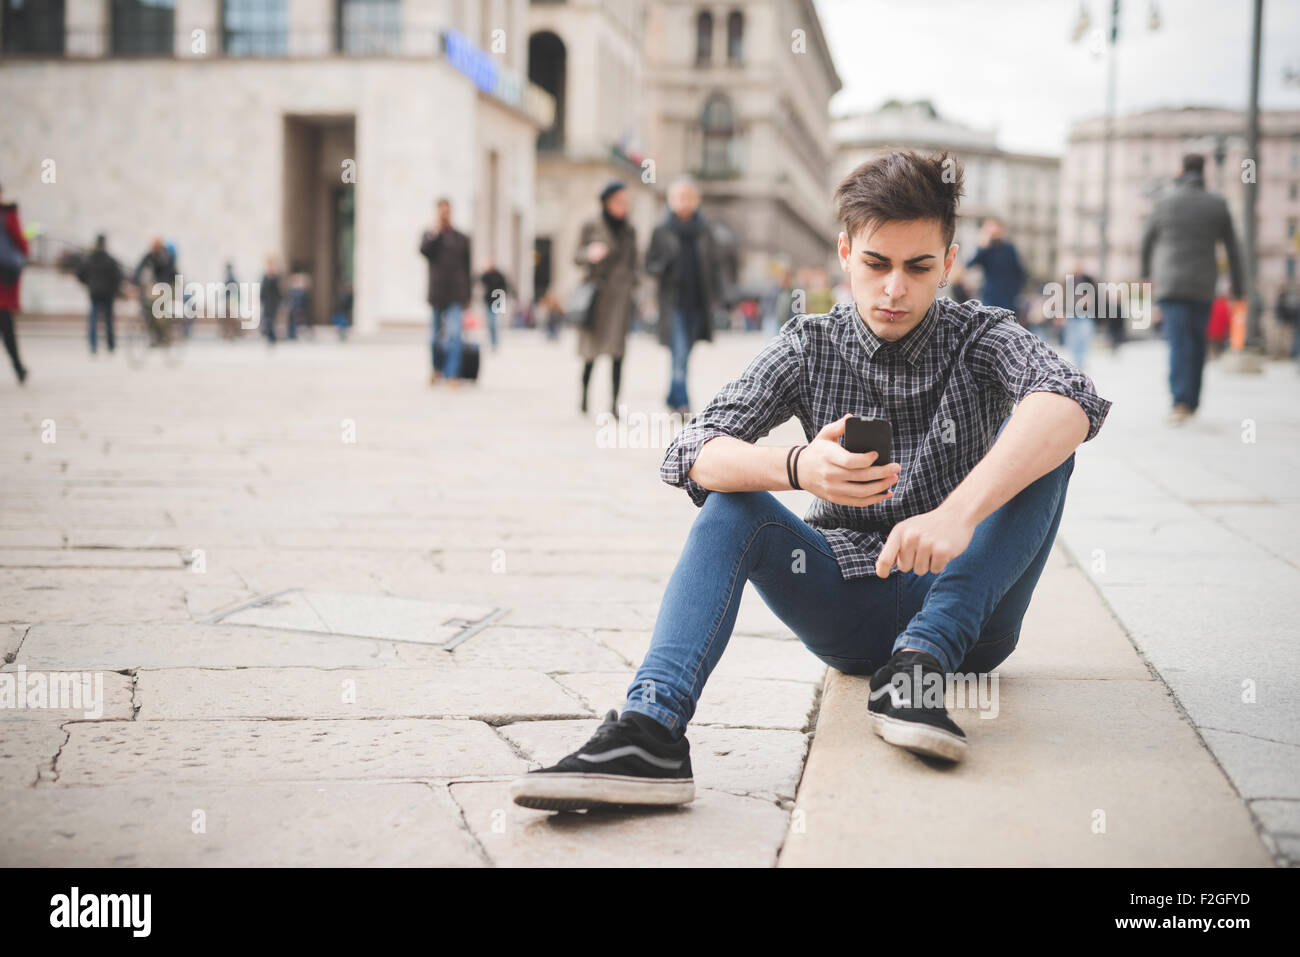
(912, 345)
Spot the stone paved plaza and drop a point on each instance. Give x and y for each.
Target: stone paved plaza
(335, 610)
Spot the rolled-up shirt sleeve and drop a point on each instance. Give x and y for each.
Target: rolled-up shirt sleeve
(748, 407)
(1010, 357)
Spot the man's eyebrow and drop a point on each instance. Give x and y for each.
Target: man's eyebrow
(914, 259)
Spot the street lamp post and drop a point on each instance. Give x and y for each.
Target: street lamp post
(1108, 127)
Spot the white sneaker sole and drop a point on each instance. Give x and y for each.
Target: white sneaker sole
(571, 791)
(919, 738)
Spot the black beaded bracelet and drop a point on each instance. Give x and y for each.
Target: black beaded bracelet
(789, 475)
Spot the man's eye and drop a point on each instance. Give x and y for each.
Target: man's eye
(872, 265)
(920, 269)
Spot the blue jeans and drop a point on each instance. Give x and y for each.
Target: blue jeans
(682, 340)
(1185, 322)
(1078, 335)
(449, 316)
(968, 616)
(101, 307)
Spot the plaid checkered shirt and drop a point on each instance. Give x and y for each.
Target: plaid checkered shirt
(945, 387)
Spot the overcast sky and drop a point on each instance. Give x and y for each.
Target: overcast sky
(1011, 65)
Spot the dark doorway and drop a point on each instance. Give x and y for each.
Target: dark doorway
(319, 203)
(546, 68)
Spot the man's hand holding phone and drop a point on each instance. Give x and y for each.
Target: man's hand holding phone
(833, 473)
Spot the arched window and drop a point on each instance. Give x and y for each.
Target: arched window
(703, 37)
(735, 36)
(718, 124)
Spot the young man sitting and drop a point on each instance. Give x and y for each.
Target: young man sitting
(900, 570)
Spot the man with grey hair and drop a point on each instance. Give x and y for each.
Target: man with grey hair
(685, 259)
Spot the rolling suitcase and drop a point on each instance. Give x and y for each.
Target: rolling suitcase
(469, 359)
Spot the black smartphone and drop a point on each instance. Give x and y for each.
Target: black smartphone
(869, 435)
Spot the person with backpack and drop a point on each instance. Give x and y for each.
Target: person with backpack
(102, 276)
(13, 257)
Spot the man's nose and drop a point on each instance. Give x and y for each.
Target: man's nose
(894, 285)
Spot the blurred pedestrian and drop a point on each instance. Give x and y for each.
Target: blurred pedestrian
(777, 301)
(299, 311)
(230, 327)
(495, 292)
(160, 264)
(450, 289)
(102, 276)
(997, 257)
(13, 257)
(684, 258)
(1181, 237)
(607, 253)
(343, 311)
(1288, 314)
(1080, 317)
(270, 296)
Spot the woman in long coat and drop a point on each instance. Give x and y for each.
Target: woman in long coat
(607, 251)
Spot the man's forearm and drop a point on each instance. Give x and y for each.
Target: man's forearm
(1040, 435)
(727, 464)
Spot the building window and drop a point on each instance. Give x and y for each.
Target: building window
(254, 27)
(717, 122)
(735, 36)
(144, 27)
(703, 38)
(1290, 269)
(32, 26)
(1295, 191)
(369, 26)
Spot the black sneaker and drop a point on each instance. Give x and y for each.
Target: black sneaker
(622, 764)
(904, 709)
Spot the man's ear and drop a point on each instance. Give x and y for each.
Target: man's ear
(951, 257)
(844, 247)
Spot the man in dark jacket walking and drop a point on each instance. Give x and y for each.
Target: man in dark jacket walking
(685, 259)
(102, 276)
(1004, 274)
(1185, 228)
(450, 287)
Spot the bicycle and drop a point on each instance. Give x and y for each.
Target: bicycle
(147, 331)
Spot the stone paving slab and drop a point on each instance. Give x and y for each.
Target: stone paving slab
(485, 694)
(1281, 823)
(717, 828)
(1030, 789)
(549, 650)
(79, 594)
(179, 645)
(112, 690)
(238, 752)
(746, 656)
(27, 750)
(764, 764)
(735, 702)
(158, 558)
(320, 824)
(1068, 633)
